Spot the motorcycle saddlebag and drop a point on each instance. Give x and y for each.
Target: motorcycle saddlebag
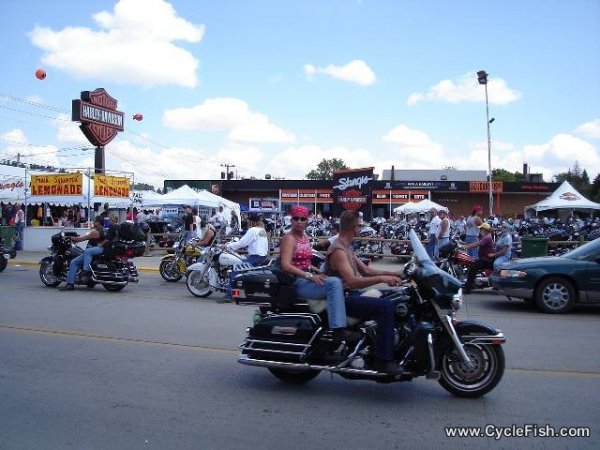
(282, 337)
(447, 249)
(263, 287)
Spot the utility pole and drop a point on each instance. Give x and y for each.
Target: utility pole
(228, 175)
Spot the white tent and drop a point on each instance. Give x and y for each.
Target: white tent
(419, 207)
(183, 195)
(565, 197)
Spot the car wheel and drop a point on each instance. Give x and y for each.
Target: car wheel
(555, 295)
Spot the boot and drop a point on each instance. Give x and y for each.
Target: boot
(67, 287)
(390, 367)
(344, 335)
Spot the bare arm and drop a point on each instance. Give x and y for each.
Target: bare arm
(370, 271)
(86, 237)
(340, 263)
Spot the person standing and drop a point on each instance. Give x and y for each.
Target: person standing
(443, 234)
(432, 232)
(472, 229)
(234, 223)
(188, 223)
(19, 227)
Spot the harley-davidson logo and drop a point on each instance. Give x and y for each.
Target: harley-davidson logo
(352, 199)
(284, 331)
(569, 196)
(97, 112)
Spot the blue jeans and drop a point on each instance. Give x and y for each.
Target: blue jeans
(431, 245)
(383, 312)
(19, 229)
(473, 252)
(440, 243)
(74, 266)
(88, 254)
(333, 291)
(502, 259)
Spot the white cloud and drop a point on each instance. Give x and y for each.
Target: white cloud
(414, 149)
(356, 71)
(230, 114)
(135, 46)
(467, 89)
(17, 146)
(589, 129)
(68, 131)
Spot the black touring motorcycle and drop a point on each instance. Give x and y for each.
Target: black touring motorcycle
(113, 270)
(290, 337)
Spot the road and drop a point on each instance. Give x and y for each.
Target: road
(152, 367)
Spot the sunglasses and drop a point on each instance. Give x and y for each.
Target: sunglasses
(299, 219)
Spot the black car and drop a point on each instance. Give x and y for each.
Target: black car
(554, 283)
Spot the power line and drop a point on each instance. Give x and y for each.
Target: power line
(32, 103)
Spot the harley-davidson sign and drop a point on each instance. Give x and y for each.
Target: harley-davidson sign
(352, 191)
(97, 112)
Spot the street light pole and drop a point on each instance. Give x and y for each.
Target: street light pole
(482, 78)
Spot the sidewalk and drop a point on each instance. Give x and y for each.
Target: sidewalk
(151, 263)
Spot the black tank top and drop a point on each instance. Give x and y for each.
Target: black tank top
(95, 241)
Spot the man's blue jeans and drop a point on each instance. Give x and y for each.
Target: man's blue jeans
(502, 259)
(440, 243)
(380, 310)
(333, 291)
(473, 252)
(88, 254)
(431, 245)
(74, 266)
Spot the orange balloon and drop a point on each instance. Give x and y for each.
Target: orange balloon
(40, 74)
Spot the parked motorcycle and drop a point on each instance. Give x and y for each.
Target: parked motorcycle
(174, 266)
(112, 272)
(293, 342)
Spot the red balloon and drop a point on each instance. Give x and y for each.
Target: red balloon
(40, 74)
(138, 117)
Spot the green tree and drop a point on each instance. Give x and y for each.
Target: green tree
(143, 187)
(325, 169)
(506, 176)
(578, 178)
(595, 189)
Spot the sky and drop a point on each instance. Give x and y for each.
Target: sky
(274, 87)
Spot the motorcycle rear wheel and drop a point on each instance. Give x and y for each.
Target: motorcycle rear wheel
(294, 376)
(169, 270)
(197, 284)
(47, 275)
(462, 381)
(3, 263)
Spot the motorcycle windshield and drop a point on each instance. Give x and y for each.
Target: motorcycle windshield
(432, 281)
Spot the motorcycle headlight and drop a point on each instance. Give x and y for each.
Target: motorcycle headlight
(512, 274)
(457, 300)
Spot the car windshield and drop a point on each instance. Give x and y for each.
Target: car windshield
(588, 251)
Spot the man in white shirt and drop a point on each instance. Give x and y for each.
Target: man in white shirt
(432, 232)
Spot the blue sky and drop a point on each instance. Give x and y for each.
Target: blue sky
(276, 86)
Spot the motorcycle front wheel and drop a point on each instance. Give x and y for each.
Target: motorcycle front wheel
(47, 275)
(197, 284)
(294, 376)
(477, 380)
(169, 270)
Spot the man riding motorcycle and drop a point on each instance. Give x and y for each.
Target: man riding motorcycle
(355, 275)
(485, 255)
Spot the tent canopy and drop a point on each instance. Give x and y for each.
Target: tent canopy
(565, 197)
(419, 207)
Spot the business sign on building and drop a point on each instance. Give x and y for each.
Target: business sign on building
(306, 196)
(352, 191)
(107, 186)
(97, 112)
(392, 196)
(264, 204)
(57, 184)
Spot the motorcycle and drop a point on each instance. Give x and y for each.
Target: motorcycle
(456, 262)
(292, 341)
(173, 266)
(211, 272)
(6, 253)
(112, 272)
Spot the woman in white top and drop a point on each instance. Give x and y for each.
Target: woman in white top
(19, 227)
